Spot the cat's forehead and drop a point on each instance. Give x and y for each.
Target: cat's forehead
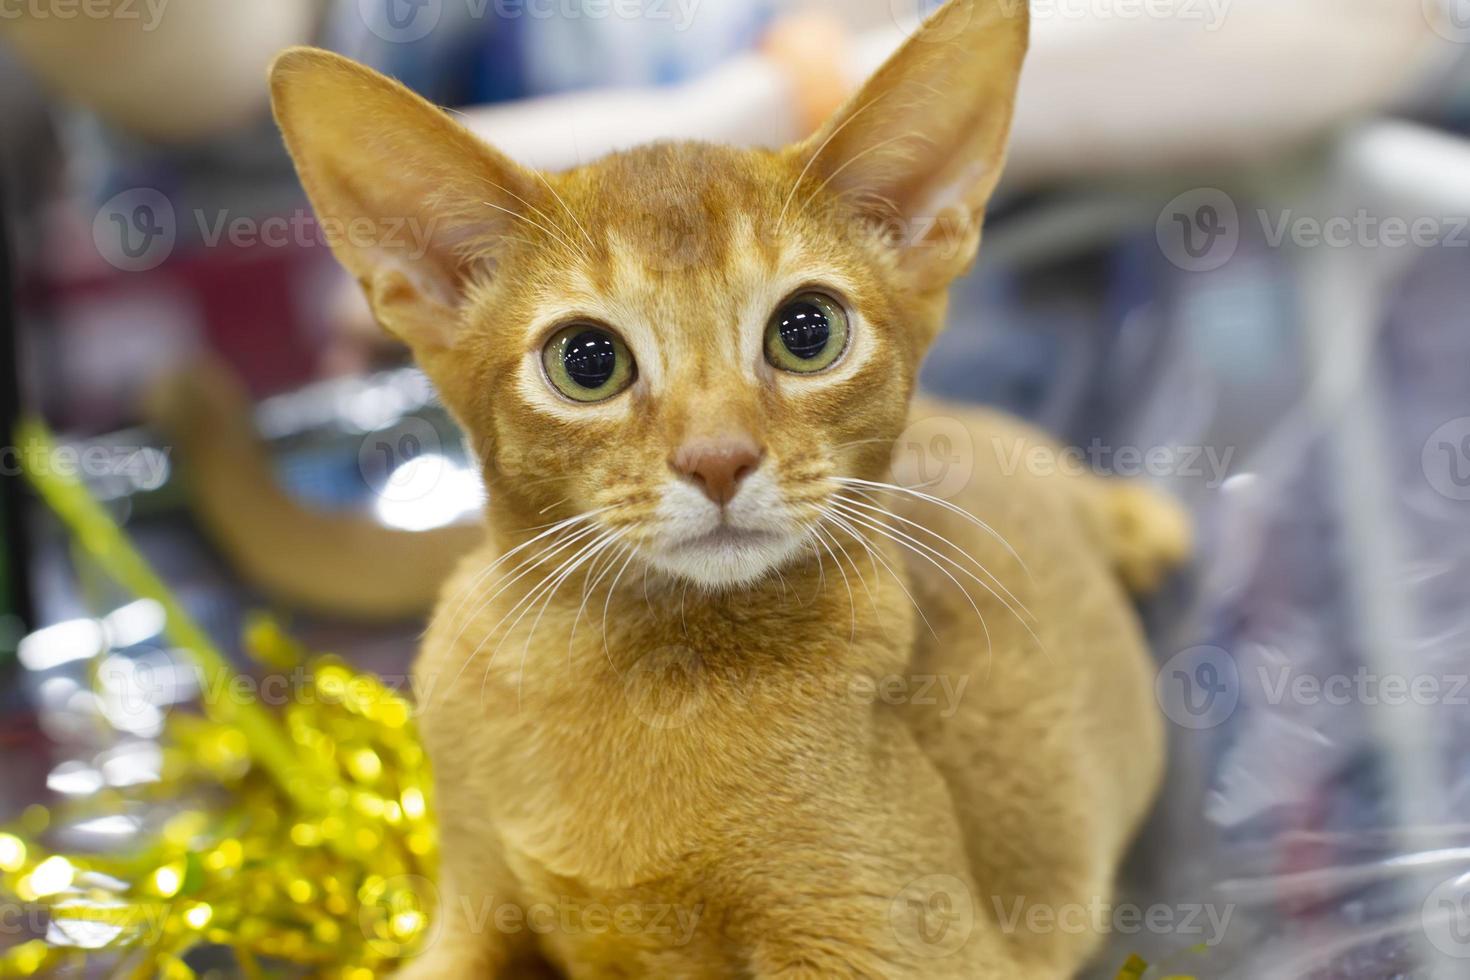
(686, 206)
(685, 238)
(682, 176)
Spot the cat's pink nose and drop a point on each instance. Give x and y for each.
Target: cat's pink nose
(717, 465)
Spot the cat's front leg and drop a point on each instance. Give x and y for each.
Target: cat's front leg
(475, 885)
(870, 878)
(469, 946)
(926, 931)
(463, 946)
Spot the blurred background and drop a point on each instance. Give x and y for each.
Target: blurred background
(1231, 257)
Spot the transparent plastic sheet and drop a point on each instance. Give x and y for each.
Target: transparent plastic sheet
(1315, 820)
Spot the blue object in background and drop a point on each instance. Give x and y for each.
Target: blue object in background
(475, 52)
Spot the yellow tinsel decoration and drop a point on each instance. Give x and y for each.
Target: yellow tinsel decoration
(295, 838)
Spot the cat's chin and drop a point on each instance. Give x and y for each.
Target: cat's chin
(727, 558)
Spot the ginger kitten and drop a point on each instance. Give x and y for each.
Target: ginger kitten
(664, 686)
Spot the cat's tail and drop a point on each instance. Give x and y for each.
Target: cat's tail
(340, 564)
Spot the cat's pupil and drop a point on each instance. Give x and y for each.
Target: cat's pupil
(804, 329)
(590, 358)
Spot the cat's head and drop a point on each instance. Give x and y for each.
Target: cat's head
(694, 342)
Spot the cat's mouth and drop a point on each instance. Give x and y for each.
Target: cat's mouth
(726, 556)
(727, 536)
(724, 545)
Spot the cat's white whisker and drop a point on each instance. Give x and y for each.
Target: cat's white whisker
(1004, 595)
(551, 529)
(589, 587)
(516, 214)
(570, 213)
(888, 533)
(781, 220)
(632, 553)
(521, 571)
(554, 503)
(525, 567)
(600, 545)
(836, 542)
(941, 502)
(782, 579)
(571, 537)
(860, 442)
(525, 604)
(862, 579)
(851, 603)
(811, 540)
(861, 539)
(544, 215)
(849, 162)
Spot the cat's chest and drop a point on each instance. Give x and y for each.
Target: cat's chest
(613, 750)
(601, 789)
(643, 771)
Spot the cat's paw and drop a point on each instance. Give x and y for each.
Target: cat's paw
(1151, 535)
(435, 965)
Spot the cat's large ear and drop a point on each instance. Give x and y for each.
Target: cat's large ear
(920, 147)
(410, 201)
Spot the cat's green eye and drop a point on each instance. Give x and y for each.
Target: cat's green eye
(588, 363)
(807, 333)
